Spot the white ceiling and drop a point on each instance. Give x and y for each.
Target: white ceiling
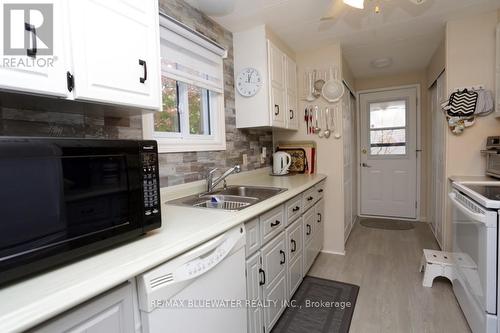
(403, 31)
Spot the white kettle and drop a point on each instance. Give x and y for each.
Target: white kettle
(281, 163)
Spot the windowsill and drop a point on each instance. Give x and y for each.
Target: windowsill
(184, 148)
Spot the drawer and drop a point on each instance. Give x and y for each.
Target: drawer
(272, 223)
(294, 240)
(308, 198)
(253, 243)
(293, 209)
(320, 190)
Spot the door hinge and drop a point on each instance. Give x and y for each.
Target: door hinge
(70, 79)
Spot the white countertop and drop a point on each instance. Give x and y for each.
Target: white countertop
(30, 302)
(473, 179)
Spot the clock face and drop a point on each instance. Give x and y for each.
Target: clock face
(248, 82)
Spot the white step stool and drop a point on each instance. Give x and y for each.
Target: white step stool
(436, 263)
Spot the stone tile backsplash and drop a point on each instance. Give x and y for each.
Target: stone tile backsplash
(23, 115)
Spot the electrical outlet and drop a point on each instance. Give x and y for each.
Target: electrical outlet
(245, 159)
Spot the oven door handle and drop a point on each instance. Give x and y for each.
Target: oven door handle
(473, 215)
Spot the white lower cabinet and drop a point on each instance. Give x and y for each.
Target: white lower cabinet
(277, 262)
(320, 225)
(274, 266)
(112, 312)
(295, 269)
(255, 281)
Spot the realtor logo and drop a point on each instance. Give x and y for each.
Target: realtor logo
(28, 29)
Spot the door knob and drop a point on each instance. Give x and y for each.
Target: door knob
(364, 165)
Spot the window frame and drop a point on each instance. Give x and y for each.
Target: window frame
(184, 141)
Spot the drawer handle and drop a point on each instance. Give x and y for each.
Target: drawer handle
(291, 114)
(319, 217)
(262, 274)
(310, 198)
(294, 245)
(276, 109)
(320, 190)
(275, 223)
(296, 209)
(308, 232)
(283, 254)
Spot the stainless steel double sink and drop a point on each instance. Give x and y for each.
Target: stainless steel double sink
(231, 198)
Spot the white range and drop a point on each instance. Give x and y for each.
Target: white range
(476, 207)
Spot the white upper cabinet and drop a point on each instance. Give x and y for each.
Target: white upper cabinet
(292, 116)
(274, 101)
(101, 51)
(115, 47)
(43, 71)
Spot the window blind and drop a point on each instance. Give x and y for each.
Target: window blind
(189, 57)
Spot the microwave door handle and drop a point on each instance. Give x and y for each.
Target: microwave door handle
(473, 215)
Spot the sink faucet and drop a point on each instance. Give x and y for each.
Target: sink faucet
(212, 183)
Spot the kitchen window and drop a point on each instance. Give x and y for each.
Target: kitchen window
(192, 115)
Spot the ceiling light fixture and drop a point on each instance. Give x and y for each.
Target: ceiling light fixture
(360, 4)
(381, 63)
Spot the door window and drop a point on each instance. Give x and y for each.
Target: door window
(388, 127)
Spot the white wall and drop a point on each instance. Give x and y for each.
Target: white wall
(470, 60)
(330, 151)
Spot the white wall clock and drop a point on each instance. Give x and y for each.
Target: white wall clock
(248, 82)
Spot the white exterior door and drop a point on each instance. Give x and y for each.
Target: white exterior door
(43, 71)
(388, 156)
(116, 56)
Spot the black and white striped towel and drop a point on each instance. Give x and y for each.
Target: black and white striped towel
(462, 103)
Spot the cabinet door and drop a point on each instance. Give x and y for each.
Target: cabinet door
(277, 293)
(309, 226)
(252, 237)
(274, 259)
(112, 312)
(276, 64)
(254, 293)
(116, 52)
(40, 73)
(295, 260)
(320, 224)
(291, 94)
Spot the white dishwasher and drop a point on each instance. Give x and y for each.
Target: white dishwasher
(202, 290)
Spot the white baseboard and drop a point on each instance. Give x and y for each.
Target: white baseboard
(334, 252)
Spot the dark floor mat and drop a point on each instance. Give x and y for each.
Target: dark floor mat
(387, 224)
(308, 315)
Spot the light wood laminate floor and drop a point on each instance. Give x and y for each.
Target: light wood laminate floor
(385, 264)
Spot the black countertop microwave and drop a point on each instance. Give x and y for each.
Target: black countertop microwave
(62, 199)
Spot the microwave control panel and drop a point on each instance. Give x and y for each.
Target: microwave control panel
(150, 183)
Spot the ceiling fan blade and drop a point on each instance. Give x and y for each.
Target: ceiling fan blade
(334, 11)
